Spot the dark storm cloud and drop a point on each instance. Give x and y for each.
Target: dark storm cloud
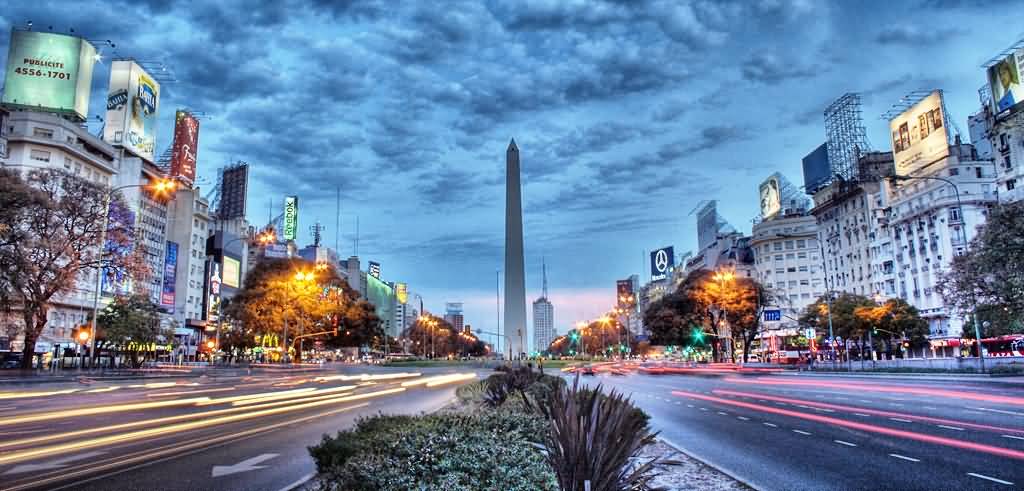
(711, 137)
(916, 36)
(770, 69)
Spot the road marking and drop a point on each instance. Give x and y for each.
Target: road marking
(243, 466)
(703, 409)
(689, 405)
(53, 464)
(895, 404)
(864, 400)
(990, 478)
(744, 418)
(951, 427)
(7, 408)
(1000, 411)
(824, 409)
(298, 482)
(723, 413)
(761, 400)
(930, 408)
(901, 420)
(904, 457)
(781, 404)
(801, 432)
(773, 425)
(1013, 437)
(862, 415)
(848, 444)
(678, 403)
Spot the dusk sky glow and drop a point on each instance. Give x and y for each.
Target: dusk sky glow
(626, 114)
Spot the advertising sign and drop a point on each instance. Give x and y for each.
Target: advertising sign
(381, 296)
(374, 269)
(919, 135)
(1005, 79)
(133, 101)
(662, 262)
(235, 181)
(771, 197)
(402, 292)
(772, 315)
(49, 71)
(817, 170)
(185, 147)
(232, 272)
(213, 306)
(291, 217)
(623, 289)
(170, 269)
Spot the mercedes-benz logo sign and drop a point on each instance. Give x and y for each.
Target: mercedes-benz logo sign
(661, 261)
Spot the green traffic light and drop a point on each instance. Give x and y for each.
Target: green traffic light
(697, 335)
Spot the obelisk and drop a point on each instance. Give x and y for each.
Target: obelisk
(515, 281)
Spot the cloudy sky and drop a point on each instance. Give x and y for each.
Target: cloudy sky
(627, 114)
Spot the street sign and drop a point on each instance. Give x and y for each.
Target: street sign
(772, 315)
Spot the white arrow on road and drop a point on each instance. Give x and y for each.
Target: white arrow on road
(53, 464)
(243, 466)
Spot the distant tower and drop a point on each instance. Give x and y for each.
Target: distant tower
(543, 316)
(515, 276)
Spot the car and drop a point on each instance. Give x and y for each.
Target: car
(588, 370)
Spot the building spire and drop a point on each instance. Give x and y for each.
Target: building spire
(544, 275)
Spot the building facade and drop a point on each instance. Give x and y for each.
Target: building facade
(788, 262)
(543, 324)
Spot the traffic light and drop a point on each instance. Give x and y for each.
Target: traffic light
(697, 334)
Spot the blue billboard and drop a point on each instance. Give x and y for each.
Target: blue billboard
(817, 169)
(170, 274)
(662, 263)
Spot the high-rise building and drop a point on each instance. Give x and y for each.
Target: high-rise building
(453, 315)
(515, 275)
(189, 229)
(788, 263)
(543, 317)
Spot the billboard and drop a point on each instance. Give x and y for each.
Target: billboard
(817, 169)
(49, 71)
(624, 289)
(1005, 80)
(133, 101)
(381, 296)
(170, 271)
(185, 146)
(402, 292)
(232, 272)
(662, 263)
(291, 217)
(771, 197)
(374, 269)
(234, 185)
(919, 135)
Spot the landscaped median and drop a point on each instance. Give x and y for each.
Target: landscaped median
(518, 429)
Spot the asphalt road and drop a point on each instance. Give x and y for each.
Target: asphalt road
(807, 432)
(247, 432)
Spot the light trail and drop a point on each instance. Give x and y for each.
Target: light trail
(902, 417)
(163, 420)
(439, 380)
(951, 394)
(365, 377)
(70, 413)
(14, 457)
(20, 395)
(949, 442)
(187, 392)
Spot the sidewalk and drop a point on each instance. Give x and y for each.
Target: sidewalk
(963, 377)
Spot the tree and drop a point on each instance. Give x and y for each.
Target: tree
(51, 240)
(990, 275)
(434, 335)
(272, 295)
(131, 325)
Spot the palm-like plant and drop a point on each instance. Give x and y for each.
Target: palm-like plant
(592, 438)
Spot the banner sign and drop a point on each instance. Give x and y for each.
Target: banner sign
(291, 217)
(402, 292)
(374, 269)
(185, 147)
(170, 274)
(772, 315)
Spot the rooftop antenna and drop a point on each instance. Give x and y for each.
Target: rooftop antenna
(544, 275)
(316, 229)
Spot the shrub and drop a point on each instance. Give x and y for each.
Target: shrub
(471, 392)
(502, 385)
(490, 450)
(592, 437)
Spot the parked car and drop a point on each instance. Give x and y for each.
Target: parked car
(10, 359)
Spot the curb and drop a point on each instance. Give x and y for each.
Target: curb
(964, 377)
(299, 482)
(723, 470)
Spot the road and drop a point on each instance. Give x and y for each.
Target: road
(232, 432)
(808, 432)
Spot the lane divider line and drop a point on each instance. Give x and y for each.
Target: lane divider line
(773, 425)
(904, 457)
(802, 432)
(950, 427)
(990, 478)
(848, 444)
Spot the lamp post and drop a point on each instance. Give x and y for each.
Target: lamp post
(300, 278)
(627, 302)
(159, 187)
(960, 210)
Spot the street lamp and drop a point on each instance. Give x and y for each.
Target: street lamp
(159, 187)
(300, 278)
(960, 210)
(723, 277)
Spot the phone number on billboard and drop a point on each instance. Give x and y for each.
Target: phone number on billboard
(42, 73)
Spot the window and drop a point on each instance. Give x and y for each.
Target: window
(40, 155)
(42, 133)
(1010, 184)
(789, 255)
(780, 270)
(780, 284)
(803, 269)
(789, 245)
(792, 283)
(801, 255)
(804, 282)
(778, 257)
(777, 246)
(800, 244)
(954, 171)
(954, 215)
(805, 296)
(791, 269)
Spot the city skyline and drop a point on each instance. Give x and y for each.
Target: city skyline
(689, 107)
